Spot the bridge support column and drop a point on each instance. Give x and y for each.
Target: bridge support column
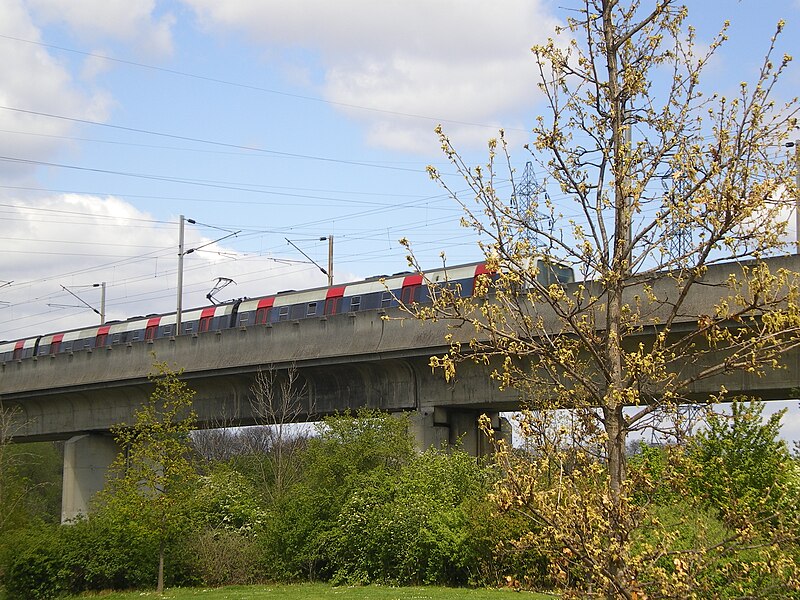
(438, 427)
(427, 431)
(86, 461)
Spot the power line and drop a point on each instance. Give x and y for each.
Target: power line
(268, 190)
(211, 142)
(163, 147)
(257, 88)
(184, 181)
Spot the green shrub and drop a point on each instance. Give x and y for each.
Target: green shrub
(225, 500)
(34, 563)
(100, 553)
(348, 450)
(743, 469)
(225, 557)
(412, 527)
(108, 551)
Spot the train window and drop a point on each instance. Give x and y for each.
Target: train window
(167, 329)
(150, 332)
(17, 353)
(312, 309)
(205, 323)
(55, 347)
(553, 272)
(355, 303)
(243, 319)
(386, 299)
(332, 305)
(283, 313)
(87, 343)
(100, 340)
(409, 294)
(263, 315)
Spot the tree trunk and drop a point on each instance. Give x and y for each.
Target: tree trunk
(617, 467)
(160, 585)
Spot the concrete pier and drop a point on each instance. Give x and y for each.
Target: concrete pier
(86, 461)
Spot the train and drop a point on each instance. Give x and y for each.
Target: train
(374, 293)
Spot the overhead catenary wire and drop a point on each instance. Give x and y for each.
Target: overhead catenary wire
(251, 86)
(211, 142)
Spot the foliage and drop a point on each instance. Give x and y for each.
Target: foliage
(226, 500)
(225, 557)
(677, 548)
(743, 469)
(347, 450)
(30, 483)
(414, 526)
(32, 562)
(108, 551)
(626, 333)
(30, 476)
(153, 478)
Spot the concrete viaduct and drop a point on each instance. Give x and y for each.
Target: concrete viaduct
(345, 361)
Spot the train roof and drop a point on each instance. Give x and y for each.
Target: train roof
(366, 285)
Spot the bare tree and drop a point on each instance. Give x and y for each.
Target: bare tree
(279, 401)
(12, 492)
(221, 440)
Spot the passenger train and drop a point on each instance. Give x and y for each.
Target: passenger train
(374, 293)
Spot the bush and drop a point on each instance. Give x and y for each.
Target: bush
(33, 563)
(108, 551)
(743, 469)
(413, 527)
(347, 451)
(225, 500)
(100, 553)
(225, 558)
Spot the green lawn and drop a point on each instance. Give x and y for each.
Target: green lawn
(310, 591)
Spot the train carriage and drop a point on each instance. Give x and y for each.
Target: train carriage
(375, 293)
(18, 350)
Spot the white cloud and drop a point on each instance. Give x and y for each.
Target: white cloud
(78, 240)
(130, 21)
(462, 60)
(32, 80)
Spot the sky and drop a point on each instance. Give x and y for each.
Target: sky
(265, 123)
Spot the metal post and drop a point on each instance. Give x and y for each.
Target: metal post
(796, 144)
(180, 279)
(102, 313)
(103, 303)
(330, 260)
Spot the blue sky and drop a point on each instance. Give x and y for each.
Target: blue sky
(280, 120)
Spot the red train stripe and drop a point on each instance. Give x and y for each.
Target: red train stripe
(412, 280)
(335, 292)
(266, 302)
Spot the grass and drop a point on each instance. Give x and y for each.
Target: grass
(312, 591)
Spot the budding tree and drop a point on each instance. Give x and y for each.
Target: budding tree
(151, 480)
(641, 155)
